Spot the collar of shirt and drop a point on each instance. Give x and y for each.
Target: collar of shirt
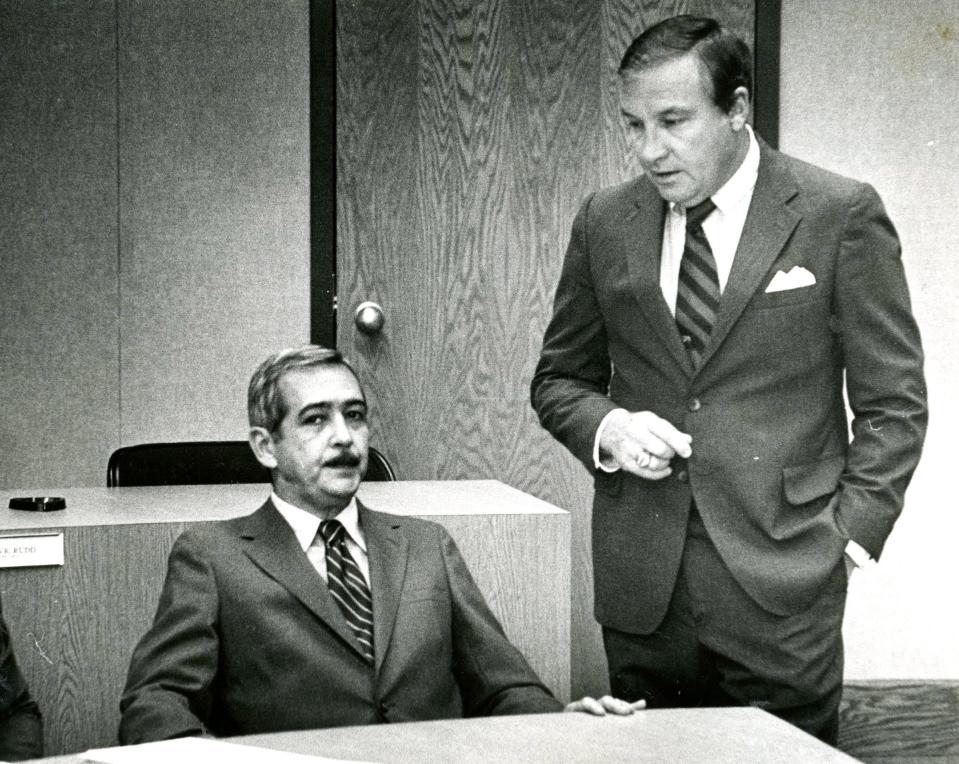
(737, 192)
(305, 524)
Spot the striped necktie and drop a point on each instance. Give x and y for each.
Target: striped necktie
(697, 299)
(347, 585)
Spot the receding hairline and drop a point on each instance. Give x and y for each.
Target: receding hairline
(267, 409)
(705, 76)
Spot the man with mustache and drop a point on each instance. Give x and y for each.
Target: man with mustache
(709, 318)
(315, 611)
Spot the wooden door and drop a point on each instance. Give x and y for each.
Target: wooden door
(467, 135)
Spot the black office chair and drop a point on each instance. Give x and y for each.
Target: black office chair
(204, 462)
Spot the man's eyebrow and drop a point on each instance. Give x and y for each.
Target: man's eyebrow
(319, 405)
(328, 405)
(671, 111)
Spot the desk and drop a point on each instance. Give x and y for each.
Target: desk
(75, 626)
(689, 736)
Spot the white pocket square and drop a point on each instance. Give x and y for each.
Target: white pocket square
(795, 278)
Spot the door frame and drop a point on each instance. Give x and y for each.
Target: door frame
(323, 303)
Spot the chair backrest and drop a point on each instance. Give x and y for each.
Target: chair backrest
(203, 462)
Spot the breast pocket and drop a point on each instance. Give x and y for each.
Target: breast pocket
(426, 594)
(784, 297)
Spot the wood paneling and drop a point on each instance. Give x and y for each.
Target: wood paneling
(58, 256)
(468, 134)
(887, 722)
(74, 627)
(214, 181)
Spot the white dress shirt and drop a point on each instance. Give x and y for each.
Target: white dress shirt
(305, 526)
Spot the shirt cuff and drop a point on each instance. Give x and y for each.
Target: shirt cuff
(597, 462)
(858, 555)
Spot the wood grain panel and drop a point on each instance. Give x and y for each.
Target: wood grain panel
(900, 721)
(539, 624)
(75, 627)
(468, 135)
(378, 252)
(214, 210)
(462, 179)
(58, 247)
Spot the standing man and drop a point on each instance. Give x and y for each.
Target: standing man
(314, 611)
(706, 315)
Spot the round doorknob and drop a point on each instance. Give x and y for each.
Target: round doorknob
(369, 318)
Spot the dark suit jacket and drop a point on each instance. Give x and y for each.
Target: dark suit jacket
(21, 729)
(773, 473)
(247, 638)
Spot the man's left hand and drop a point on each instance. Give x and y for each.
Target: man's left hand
(606, 704)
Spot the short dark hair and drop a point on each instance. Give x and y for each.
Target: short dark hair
(264, 404)
(722, 53)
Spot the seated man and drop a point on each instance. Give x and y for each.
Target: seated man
(21, 729)
(314, 611)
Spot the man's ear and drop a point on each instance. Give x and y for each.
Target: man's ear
(261, 441)
(739, 111)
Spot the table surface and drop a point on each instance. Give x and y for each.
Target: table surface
(112, 506)
(690, 736)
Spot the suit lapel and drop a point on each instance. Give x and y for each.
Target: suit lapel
(647, 223)
(388, 551)
(769, 224)
(272, 546)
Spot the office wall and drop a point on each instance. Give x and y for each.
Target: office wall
(58, 231)
(868, 90)
(154, 218)
(214, 207)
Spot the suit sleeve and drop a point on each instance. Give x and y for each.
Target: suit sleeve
(493, 676)
(569, 391)
(883, 358)
(21, 728)
(169, 686)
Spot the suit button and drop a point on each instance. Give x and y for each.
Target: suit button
(694, 404)
(682, 476)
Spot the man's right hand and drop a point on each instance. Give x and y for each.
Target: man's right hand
(642, 444)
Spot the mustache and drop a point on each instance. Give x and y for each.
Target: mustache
(344, 459)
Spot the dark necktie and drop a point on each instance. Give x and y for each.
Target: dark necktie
(697, 299)
(347, 585)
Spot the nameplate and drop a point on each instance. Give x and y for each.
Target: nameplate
(32, 550)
